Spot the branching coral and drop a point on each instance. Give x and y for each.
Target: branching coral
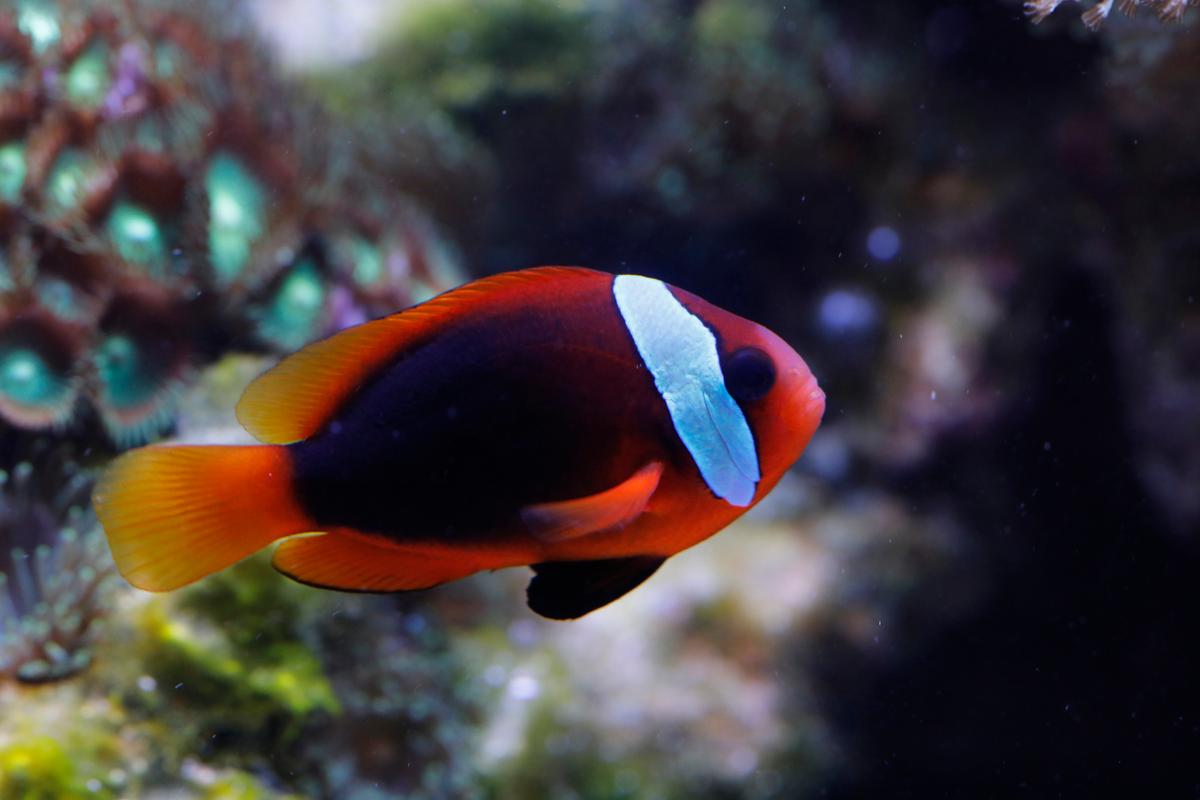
(1167, 10)
(55, 570)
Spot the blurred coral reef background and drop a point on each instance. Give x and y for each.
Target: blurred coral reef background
(980, 231)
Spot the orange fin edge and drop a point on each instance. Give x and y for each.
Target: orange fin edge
(350, 561)
(175, 514)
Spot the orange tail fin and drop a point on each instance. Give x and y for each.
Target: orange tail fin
(174, 514)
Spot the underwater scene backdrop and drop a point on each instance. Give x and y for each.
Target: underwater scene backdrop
(977, 222)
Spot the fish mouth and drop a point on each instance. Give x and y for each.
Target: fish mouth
(809, 408)
(809, 396)
(815, 401)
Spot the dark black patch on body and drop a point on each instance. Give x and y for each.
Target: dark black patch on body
(495, 413)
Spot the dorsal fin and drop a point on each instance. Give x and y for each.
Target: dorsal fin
(293, 399)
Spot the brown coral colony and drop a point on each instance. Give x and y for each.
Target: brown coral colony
(159, 205)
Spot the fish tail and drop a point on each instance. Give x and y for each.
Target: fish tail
(176, 513)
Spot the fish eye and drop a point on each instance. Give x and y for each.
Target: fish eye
(749, 374)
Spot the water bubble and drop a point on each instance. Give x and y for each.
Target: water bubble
(883, 243)
(524, 687)
(494, 675)
(847, 312)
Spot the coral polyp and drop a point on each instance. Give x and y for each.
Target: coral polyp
(293, 307)
(236, 201)
(140, 359)
(165, 197)
(55, 570)
(1094, 17)
(37, 387)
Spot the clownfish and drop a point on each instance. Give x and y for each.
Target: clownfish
(584, 424)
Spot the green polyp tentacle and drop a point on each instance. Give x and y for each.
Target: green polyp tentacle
(367, 261)
(236, 210)
(12, 170)
(169, 60)
(28, 379)
(289, 318)
(10, 74)
(69, 177)
(89, 77)
(38, 19)
(139, 388)
(130, 378)
(137, 236)
(61, 298)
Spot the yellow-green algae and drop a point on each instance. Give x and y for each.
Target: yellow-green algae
(250, 668)
(237, 785)
(59, 744)
(460, 51)
(38, 767)
(70, 742)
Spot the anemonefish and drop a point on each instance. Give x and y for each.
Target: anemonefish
(584, 424)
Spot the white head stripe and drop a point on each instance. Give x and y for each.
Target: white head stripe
(681, 354)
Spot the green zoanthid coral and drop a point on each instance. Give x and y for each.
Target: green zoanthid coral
(165, 196)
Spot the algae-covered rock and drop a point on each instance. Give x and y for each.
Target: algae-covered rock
(411, 703)
(67, 740)
(670, 692)
(462, 53)
(249, 687)
(242, 694)
(40, 768)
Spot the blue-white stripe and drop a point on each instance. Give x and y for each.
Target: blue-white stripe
(681, 354)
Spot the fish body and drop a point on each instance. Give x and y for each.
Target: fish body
(585, 424)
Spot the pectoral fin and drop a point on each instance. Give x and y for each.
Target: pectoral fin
(612, 508)
(570, 589)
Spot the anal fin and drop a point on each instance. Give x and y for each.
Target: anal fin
(612, 508)
(570, 589)
(352, 562)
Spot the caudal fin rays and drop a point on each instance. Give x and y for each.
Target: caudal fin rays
(174, 514)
